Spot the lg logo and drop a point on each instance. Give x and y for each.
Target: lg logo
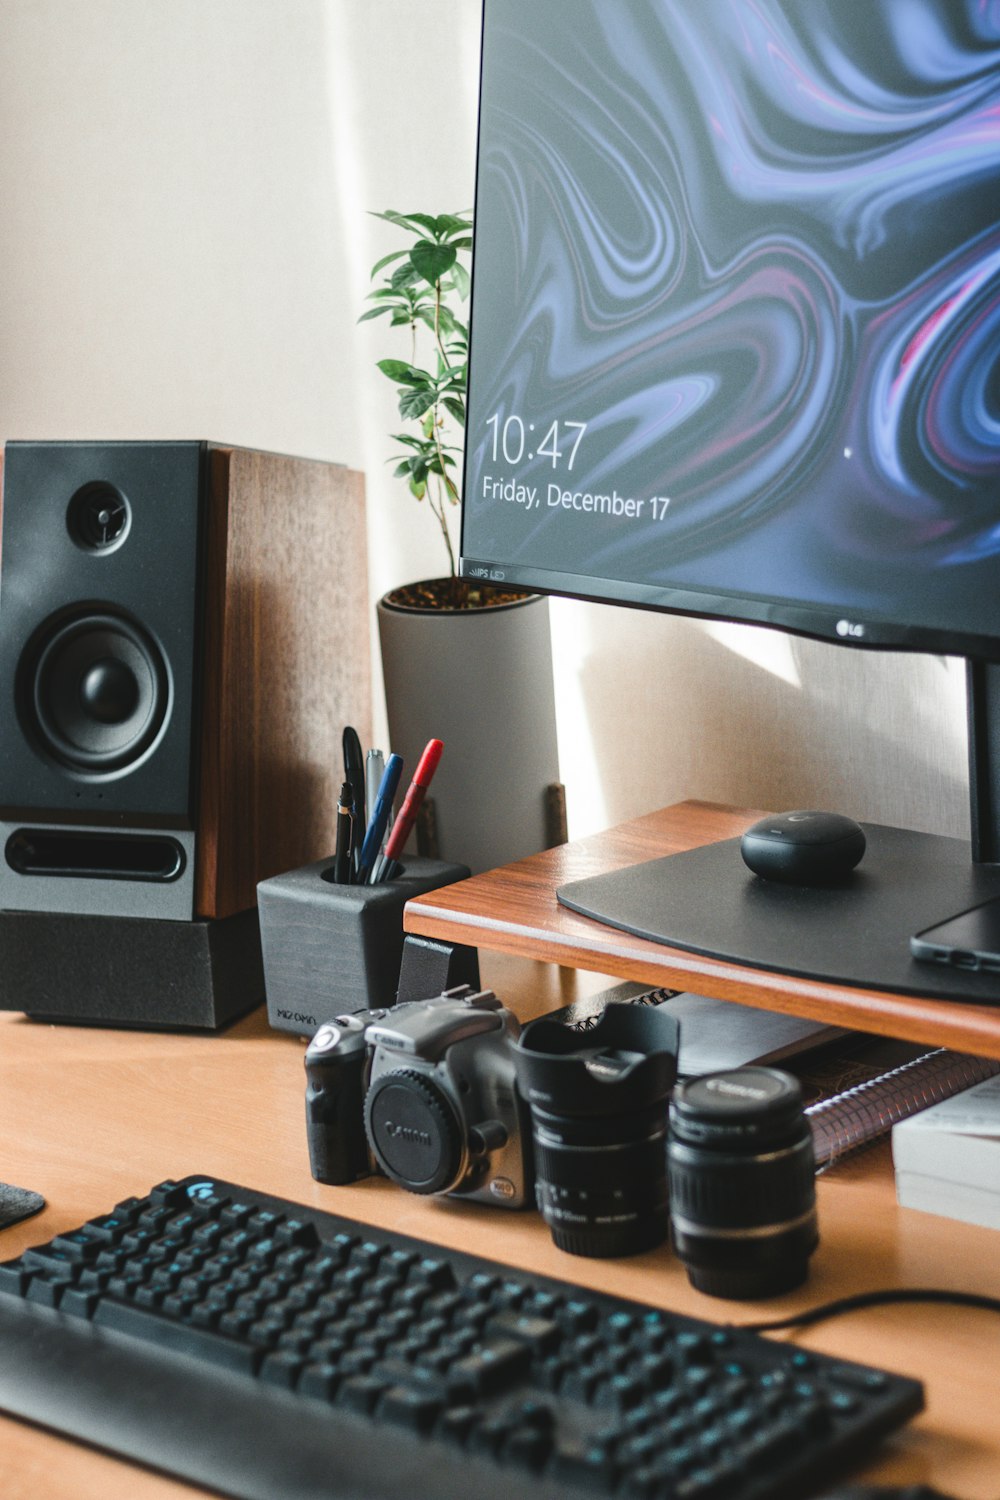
(849, 629)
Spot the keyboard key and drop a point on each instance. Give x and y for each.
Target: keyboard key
(493, 1367)
(410, 1408)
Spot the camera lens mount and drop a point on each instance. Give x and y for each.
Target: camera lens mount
(414, 1131)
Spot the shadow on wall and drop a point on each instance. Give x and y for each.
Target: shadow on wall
(679, 708)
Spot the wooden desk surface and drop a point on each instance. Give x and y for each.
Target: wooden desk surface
(90, 1116)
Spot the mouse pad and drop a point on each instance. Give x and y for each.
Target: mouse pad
(856, 932)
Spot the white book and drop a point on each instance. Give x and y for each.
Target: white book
(947, 1158)
(936, 1195)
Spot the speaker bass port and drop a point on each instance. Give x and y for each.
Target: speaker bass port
(94, 856)
(98, 693)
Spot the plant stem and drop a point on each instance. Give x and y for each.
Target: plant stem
(440, 509)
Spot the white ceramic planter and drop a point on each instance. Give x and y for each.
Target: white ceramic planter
(481, 681)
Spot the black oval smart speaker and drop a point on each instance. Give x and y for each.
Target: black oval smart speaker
(803, 848)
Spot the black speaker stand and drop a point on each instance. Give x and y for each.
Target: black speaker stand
(131, 971)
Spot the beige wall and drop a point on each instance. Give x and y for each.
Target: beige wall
(184, 249)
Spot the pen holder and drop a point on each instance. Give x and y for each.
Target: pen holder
(335, 949)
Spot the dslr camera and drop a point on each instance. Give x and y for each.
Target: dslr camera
(423, 1093)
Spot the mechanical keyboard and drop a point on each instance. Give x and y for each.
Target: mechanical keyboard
(274, 1352)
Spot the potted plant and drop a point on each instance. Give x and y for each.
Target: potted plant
(462, 662)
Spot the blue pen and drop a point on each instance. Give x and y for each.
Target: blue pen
(375, 832)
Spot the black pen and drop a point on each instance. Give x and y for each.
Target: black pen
(354, 772)
(342, 860)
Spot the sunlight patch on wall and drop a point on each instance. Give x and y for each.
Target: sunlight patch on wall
(767, 649)
(572, 648)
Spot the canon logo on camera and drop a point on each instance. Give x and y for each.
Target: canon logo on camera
(406, 1133)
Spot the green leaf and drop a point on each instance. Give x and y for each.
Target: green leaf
(463, 281)
(456, 407)
(448, 322)
(432, 261)
(387, 260)
(438, 321)
(450, 374)
(426, 221)
(392, 217)
(375, 312)
(413, 403)
(404, 468)
(401, 319)
(434, 464)
(451, 224)
(400, 370)
(418, 490)
(404, 275)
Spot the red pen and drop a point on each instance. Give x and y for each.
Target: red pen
(406, 817)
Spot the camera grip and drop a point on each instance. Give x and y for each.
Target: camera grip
(338, 1150)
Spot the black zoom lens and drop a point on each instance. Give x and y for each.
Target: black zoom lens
(599, 1121)
(742, 1182)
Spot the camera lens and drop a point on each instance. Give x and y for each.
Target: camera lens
(414, 1132)
(599, 1121)
(742, 1182)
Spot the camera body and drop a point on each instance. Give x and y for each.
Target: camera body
(423, 1093)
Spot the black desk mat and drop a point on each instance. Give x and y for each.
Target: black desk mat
(855, 933)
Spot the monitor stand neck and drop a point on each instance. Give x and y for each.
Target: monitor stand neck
(983, 696)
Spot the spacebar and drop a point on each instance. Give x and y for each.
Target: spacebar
(201, 1343)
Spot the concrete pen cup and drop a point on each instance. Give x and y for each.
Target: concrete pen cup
(336, 949)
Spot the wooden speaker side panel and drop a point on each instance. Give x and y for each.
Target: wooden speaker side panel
(287, 665)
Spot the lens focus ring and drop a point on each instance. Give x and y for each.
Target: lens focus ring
(722, 1191)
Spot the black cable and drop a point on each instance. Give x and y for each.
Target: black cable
(872, 1299)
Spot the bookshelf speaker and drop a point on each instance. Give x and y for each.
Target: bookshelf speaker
(183, 633)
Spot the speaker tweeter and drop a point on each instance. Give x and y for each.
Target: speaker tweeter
(98, 517)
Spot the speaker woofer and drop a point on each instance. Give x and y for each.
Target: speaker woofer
(98, 692)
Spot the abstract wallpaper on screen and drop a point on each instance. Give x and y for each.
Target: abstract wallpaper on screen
(739, 260)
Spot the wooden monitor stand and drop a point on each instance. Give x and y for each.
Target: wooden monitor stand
(514, 910)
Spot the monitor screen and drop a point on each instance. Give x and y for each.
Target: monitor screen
(736, 312)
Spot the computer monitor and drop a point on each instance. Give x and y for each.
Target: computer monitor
(735, 351)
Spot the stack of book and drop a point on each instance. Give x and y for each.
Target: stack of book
(947, 1158)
